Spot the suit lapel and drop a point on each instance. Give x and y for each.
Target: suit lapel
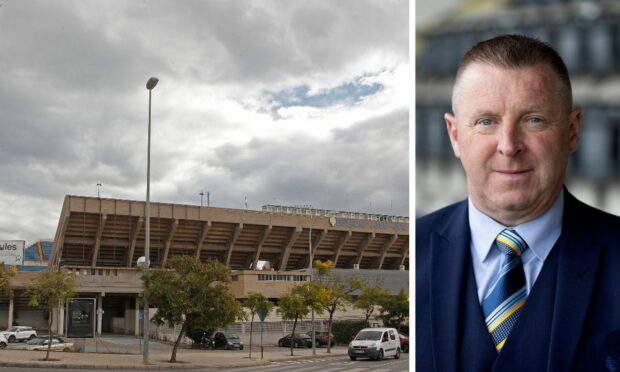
(577, 267)
(450, 255)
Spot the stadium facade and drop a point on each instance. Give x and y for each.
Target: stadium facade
(100, 241)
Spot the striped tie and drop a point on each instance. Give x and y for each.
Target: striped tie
(504, 302)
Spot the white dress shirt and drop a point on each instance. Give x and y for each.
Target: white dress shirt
(540, 234)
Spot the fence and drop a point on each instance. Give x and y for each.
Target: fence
(272, 331)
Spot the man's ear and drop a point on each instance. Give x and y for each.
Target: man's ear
(452, 132)
(574, 129)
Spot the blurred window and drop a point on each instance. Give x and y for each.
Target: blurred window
(568, 44)
(595, 149)
(600, 48)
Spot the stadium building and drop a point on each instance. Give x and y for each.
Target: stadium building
(100, 240)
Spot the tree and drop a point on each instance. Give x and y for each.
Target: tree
(188, 292)
(5, 279)
(304, 298)
(393, 310)
(314, 295)
(256, 303)
(370, 296)
(292, 306)
(50, 290)
(338, 292)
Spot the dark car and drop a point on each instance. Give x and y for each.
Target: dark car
(404, 343)
(226, 341)
(300, 340)
(322, 339)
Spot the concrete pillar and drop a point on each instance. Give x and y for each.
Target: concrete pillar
(99, 313)
(11, 305)
(136, 330)
(126, 316)
(54, 315)
(61, 319)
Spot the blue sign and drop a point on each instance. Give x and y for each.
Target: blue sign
(262, 314)
(383, 225)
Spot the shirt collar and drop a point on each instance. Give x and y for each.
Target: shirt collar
(540, 234)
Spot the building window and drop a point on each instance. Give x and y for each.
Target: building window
(596, 150)
(568, 44)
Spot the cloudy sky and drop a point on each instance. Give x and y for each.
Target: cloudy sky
(428, 11)
(287, 102)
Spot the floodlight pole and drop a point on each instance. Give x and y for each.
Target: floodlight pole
(311, 275)
(147, 236)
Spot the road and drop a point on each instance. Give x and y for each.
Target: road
(330, 364)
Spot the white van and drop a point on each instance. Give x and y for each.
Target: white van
(375, 343)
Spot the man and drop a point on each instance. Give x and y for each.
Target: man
(521, 276)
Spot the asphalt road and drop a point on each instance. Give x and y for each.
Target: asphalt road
(331, 364)
(335, 364)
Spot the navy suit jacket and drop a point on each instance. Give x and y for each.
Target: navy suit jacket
(570, 321)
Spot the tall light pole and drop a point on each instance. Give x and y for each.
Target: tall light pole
(147, 237)
(311, 277)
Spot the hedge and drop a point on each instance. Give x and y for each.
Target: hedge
(345, 330)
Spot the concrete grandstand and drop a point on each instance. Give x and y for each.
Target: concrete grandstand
(100, 240)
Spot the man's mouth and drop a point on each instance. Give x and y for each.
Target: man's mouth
(514, 172)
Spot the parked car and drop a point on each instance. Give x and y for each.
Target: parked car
(375, 343)
(322, 339)
(227, 341)
(19, 333)
(404, 343)
(3, 342)
(299, 340)
(40, 343)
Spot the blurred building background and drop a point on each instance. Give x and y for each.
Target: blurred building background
(587, 36)
(36, 256)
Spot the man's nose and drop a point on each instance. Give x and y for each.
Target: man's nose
(510, 141)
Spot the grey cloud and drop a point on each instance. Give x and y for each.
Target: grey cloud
(363, 167)
(271, 42)
(73, 102)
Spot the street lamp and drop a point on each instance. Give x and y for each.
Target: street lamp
(147, 237)
(311, 277)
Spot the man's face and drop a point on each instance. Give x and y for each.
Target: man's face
(513, 131)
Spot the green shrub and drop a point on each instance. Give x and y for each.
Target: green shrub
(345, 330)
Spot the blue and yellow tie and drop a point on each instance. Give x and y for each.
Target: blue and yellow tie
(504, 303)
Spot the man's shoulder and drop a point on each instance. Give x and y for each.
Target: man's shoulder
(590, 215)
(440, 217)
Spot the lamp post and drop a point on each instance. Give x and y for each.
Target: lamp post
(311, 277)
(147, 237)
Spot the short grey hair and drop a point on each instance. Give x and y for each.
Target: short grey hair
(517, 51)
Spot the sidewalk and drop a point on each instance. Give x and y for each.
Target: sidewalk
(186, 359)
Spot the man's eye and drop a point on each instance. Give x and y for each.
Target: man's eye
(485, 122)
(535, 120)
